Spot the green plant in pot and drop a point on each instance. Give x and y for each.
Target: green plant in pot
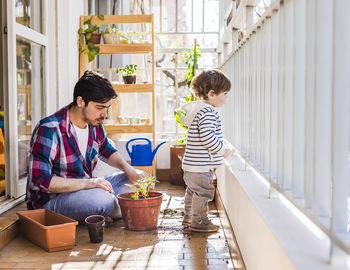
(92, 37)
(110, 35)
(124, 37)
(129, 73)
(191, 60)
(177, 151)
(140, 208)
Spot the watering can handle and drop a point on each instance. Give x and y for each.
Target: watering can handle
(136, 139)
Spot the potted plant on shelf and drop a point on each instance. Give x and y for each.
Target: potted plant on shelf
(124, 37)
(177, 151)
(129, 73)
(140, 208)
(110, 35)
(92, 37)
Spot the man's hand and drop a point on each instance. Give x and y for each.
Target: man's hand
(227, 153)
(134, 174)
(101, 183)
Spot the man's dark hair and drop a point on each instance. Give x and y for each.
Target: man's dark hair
(93, 86)
(207, 80)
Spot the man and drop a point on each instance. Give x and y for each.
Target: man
(64, 151)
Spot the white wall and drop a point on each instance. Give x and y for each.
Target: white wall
(269, 234)
(68, 13)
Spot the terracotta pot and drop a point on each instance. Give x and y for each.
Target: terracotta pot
(95, 38)
(176, 154)
(129, 79)
(140, 214)
(47, 229)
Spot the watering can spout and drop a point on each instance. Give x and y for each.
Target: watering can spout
(156, 149)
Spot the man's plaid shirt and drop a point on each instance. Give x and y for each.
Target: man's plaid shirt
(55, 152)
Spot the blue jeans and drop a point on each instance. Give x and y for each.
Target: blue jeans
(96, 201)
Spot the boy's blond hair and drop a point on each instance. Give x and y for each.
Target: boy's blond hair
(207, 80)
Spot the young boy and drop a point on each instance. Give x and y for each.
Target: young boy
(205, 149)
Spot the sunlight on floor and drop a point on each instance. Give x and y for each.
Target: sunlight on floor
(170, 246)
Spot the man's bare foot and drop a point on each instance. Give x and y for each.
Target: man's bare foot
(109, 221)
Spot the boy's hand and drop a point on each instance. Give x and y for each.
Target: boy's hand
(227, 153)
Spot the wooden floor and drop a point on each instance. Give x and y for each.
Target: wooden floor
(168, 247)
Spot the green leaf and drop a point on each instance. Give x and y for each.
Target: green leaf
(178, 114)
(141, 187)
(91, 46)
(183, 140)
(88, 21)
(91, 56)
(101, 16)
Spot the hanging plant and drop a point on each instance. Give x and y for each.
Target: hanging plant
(92, 37)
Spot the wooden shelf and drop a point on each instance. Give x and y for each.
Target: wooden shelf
(135, 48)
(117, 19)
(133, 88)
(110, 129)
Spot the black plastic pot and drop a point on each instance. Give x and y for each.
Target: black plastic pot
(129, 79)
(96, 226)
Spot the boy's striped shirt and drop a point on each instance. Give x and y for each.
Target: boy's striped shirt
(205, 141)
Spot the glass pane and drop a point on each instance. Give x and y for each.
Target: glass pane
(29, 91)
(134, 108)
(186, 40)
(29, 13)
(107, 64)
(168, 15)
(184, 15)
(165, 60)
(211, 15)
(197, 15)
(167, 100)
(156, 12)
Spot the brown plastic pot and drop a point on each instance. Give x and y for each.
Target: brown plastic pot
(140, 214)
(176, 174)
(47, 229)
(95, 38)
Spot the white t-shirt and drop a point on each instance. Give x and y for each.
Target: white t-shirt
(83, 137)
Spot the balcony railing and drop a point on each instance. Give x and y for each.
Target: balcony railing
(288, 111)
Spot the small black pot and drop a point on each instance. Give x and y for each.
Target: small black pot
(129, 79)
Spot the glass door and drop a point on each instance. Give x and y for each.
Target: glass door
(24, 101)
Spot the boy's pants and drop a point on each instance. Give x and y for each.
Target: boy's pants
(95, 201)
(199, 191)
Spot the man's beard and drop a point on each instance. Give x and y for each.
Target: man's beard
(90, 122)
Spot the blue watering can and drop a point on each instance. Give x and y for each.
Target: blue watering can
(141, 154)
